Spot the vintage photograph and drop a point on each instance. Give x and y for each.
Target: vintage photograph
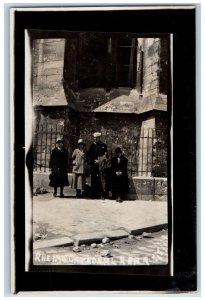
(101, 125)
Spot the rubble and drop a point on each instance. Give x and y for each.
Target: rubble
(76, 249)
(139, 237)
(116, 246)
(106, 253)
(94, 245)
(105, 240)
(131, 236)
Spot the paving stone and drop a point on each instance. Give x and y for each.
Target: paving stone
(116, 234)
(93, 237)
(64, 241)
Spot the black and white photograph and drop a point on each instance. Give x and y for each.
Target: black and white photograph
(100, 144)
(104, 182)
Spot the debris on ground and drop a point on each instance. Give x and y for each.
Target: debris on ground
(139, 237)
(39, 232)
(40, 191)
(131, 236)
(76, 249)
(105, 240)
(94, 245)
(106, 253)
(127, 242)
(147, 235)
(101, 245)
(116, 246)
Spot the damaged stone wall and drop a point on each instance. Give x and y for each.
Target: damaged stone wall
(151, 48)
(48, 64)
(117, 130)
(154, 82)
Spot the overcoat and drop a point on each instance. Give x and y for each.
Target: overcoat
(119, 183)
(79, 161)
(59, 167)
(79, 169)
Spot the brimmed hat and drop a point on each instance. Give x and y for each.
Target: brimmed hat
(80, 141)
(59, 140)
(96, 134)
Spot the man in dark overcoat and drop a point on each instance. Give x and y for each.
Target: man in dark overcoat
(59, 168)
(97, 158)
(119, 175)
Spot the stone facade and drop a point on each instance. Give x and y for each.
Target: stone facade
(48, 64)
(77, 78)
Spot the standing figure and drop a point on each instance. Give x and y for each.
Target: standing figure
(79, 168)
(98, 158)
(119, 175)
(59, 168)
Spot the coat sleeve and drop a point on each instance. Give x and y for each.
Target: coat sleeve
(74, 154)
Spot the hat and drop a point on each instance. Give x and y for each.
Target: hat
(118, 150)
(80, 141)
(96, 134)
(59, 140)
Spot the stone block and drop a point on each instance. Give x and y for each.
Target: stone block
(116, 234)
(92, 237)
(144, 185)
(64, 241)
(149, 229)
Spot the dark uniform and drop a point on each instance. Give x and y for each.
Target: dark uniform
(98, 151)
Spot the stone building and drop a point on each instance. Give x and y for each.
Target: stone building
(113, 83)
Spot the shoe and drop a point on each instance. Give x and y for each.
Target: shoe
(61, 195)
(54, 194)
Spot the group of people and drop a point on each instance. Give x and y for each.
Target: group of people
(109, 177)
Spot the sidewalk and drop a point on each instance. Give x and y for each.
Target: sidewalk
(86, 219)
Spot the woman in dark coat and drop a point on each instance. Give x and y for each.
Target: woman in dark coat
(119, 175)
(59, 168)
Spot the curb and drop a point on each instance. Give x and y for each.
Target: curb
(88, 238)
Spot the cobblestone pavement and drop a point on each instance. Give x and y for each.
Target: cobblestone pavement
(140, 250)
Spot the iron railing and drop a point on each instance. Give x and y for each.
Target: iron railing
(146, 154)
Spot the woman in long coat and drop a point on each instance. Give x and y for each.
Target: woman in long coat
(119, 175)
(79, 168)
(59, 168)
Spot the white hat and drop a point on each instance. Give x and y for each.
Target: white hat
(96, 134)
(80, 141)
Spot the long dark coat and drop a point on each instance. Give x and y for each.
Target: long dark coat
(119, 183)
(59, 168)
